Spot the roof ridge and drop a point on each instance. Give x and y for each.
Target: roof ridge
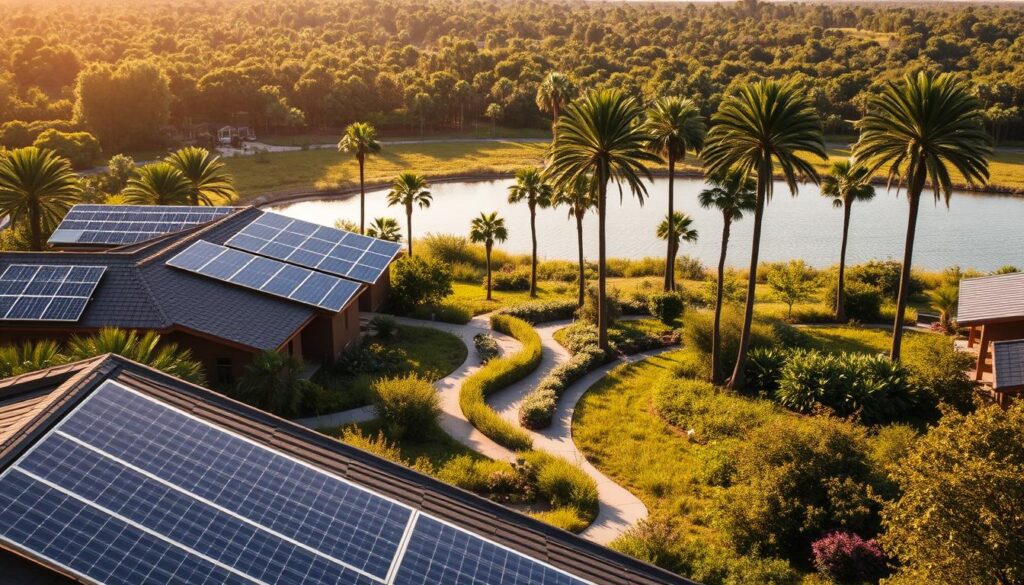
(187, 236)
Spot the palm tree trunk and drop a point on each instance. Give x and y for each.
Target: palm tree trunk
(739, 378)
(716, 358)
(362, 196)
(670, 277)
(554, 121)
(582, 276)
(841, 288)
(533, 259)
(488, 250)
(602, 268)
(408, 226)
(914, 197)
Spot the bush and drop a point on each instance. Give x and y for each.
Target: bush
(384, 327)
(418, 281)
(562, 483)
(486, 347)
(464, 272)
(697, 329)
(498, 480)
(863, 301)
(588, 312)
(538, 407)
(692, 365)
(542, 311)
(448, 248)
(445, 311)
(883, 275)
(844, 557)
(764, 368)
(939, 371)
(666, 306)
(408, 407)
(510, 278)
(496, 375)
(80, 148)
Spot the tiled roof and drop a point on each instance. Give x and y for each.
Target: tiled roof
(561, 549)
(1008, 364)
(991, 299)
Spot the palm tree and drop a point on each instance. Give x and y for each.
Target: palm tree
(763, 127)
(38, 187)
(945, 300)
(209, 184)
(487, 229)
(273, 382)
(360, 139)
(919, 129)
(145, 348)
(531, 187)
(553, 94)
(675, 126)
(599, 135)
(385, 228)
(579, 198)
(30, 356)
(409, 189)
(845, 183)
(732, 193)
(158, 184)
(679, 229)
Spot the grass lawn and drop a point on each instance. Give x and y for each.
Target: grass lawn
(473, 295)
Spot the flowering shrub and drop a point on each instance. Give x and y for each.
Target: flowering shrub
(845, 557)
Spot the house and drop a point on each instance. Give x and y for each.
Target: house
(226, 283)
(114, 473)
(992, 307)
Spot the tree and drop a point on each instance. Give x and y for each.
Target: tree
(599, 136)
(146, 348)
(360, 140)
(493, 112)
(758, 128)
(733, 193)
(679, 229)
(553, 94)
(273, 382)
(675, 126)
(158, 184)
(418, 281)
(385, 228)
(37, 187)
(578, 197)
(80, 148)
(120, 168)
(792, 283)
(960, 514)
(123, 106)
(487, 229)
(844, 184)
(531, 187)
(208, 181)
(409, 189)
(921, 128)
(945, 300)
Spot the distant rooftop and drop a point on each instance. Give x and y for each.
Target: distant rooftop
(991, 299)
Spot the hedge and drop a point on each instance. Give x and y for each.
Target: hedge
(538, 407)
(542, 311)
(496, 375)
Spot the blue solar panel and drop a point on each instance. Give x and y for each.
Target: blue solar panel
(46, 292)
(129, 224)
(315, 246)
(266, 275)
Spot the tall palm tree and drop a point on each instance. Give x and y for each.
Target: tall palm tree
(844, 184)
(158, 184)
(409, 189)
(599, 135)
(209, 183)
(487, 229)
(38, 187)
(920, 128)
(553, 94)
(531, 187)
(675, 126)
(763, 127)
(732, 193)
(678, 229)
(384, 228)
(579, 198)
(360, 139)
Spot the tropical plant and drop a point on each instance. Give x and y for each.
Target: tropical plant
(487, 229)
(844, 184)
(143, 347)
(347, 225)
(531, 188)
(945, 300)
(920, 128)
(760, 128)
(274, 382)
(679, 229)
(158, 184)
(578, 197)
(209, 184)
(30, 356)
(675, 126)
(599, 136)
(733, 193)
(360, 140)
(37, 187)
(409, 189)
(385, 228)
(553, 94)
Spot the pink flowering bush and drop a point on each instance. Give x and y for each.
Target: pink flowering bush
(845, 557)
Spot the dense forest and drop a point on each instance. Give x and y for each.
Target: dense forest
(136, 75)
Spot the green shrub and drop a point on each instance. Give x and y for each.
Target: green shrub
(542, 311)
(863, 301)
(883, 275)
(666, 306)
(712, 413)
(464, 272)
(418, 281)
(80, 148)
(939, 371)
(448, 248)
(408, 407)
(560, 270)
(486, 347)
(566, 518)
(697, 329)
(445, 311)
(510, 278)
(887, 448)
(588, 312)
(692, 364)
(377, 444)
(538, 407)
(498, 480)
(764, 368)
(384, 327)
(715, 465)
(577, 336)
(496, 375)
(562, 483)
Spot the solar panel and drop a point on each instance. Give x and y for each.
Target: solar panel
(266, 275)
(45, 292)
(129, 224)
(315, 246)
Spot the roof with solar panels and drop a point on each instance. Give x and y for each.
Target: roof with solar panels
(204, 269)
(114, 473)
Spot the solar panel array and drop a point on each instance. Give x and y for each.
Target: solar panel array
(315, 246)
(128, 490)
(129, 224)
(266, 275)
(46, 292)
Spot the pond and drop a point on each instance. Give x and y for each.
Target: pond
(983, 231)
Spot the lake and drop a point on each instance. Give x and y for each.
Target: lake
(982, 231)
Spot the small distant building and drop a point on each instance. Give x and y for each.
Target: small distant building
(992, 307)
(234, 135)
(1007, 370)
